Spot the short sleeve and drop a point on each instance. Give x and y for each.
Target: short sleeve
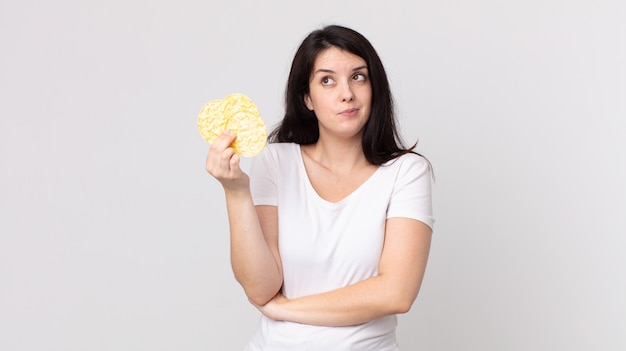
(263, 178)
(412, 192)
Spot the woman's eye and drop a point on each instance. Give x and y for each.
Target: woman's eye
(359, 77)
(327, 81)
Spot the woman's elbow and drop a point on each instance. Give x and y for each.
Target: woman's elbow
(402, 302)
(403, 306)
(260, 293)
(260, 297)
(258, 300)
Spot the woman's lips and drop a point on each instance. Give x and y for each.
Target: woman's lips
(349, 112)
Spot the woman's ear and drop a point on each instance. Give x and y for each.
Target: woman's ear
(308, 102)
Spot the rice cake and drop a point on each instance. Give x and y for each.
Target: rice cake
(238, 114)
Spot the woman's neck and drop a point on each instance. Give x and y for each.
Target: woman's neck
(338, 157)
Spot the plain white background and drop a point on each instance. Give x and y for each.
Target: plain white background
(113, 236)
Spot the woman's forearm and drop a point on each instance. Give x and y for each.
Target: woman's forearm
(254, 264)
(393, 290)
(253, 236)
(359, 303)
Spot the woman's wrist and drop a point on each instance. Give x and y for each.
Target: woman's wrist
(276, 308)
(237, 193)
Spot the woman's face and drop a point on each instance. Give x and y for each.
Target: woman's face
(340, 93)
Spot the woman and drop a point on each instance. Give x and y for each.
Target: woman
(331, 232)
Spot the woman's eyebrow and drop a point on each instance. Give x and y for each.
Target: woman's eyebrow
(327, 70)
(323, 70)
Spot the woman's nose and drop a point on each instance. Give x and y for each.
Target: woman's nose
(346, 93)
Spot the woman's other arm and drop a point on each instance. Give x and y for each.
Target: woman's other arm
(253, 231)
(393, 290)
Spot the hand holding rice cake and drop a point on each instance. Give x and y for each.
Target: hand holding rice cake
(238, 114)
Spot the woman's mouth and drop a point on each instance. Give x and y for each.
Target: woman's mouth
(351, 112)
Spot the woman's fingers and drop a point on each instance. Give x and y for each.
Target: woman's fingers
(224, 140)
(234, 163)
(225, 159)
(223, 164)
(219, 154)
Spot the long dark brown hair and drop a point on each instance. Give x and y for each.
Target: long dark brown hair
(381, 141)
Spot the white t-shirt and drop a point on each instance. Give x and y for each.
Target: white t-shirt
(325, 245)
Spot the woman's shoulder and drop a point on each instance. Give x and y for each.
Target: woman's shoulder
(280, 151)
(282, 147)
(410, 159)
(410, 165)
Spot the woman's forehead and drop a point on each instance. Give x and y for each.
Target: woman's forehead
(334, 58)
